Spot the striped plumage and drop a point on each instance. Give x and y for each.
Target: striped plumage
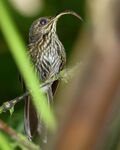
(48, 56)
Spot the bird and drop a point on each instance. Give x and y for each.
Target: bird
(49, 58)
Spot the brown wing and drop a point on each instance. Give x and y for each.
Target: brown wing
(54, 86)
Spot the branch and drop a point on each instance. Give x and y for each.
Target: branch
(19, 138)
(64, 75)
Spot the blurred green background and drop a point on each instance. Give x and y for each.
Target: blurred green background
(23, 13)
(68, 29)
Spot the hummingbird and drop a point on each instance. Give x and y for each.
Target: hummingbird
(49, 58)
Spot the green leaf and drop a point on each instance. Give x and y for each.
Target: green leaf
(4, 143)
(17, 49)
(11, 110)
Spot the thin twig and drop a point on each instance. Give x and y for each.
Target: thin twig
(21, 140)
(64, 75)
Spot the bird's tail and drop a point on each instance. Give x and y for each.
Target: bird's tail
(34, 126)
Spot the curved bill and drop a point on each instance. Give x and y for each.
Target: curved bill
(55, 19)
(67, 13)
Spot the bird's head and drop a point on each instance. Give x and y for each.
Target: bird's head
(45, 25)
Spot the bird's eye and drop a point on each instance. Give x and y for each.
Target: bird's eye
(43, 21)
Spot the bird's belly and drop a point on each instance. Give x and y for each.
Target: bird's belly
(50, 64)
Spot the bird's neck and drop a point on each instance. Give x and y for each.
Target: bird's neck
(45, 40)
